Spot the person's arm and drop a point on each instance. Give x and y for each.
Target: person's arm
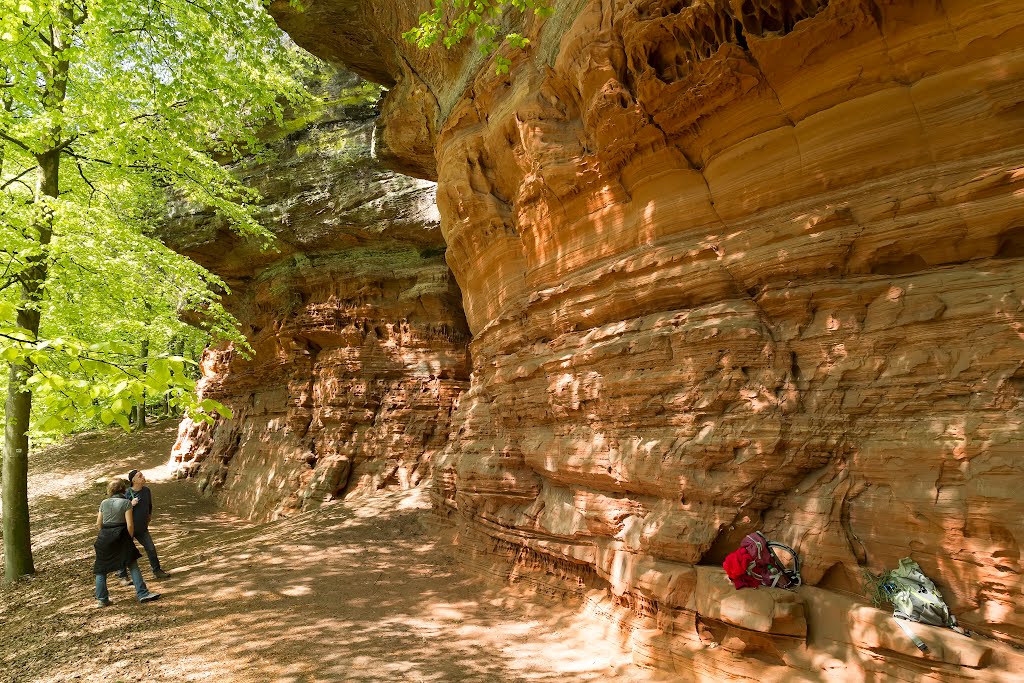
(99, 520)
(129, 521)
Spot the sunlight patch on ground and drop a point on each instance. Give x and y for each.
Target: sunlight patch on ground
(354, 592)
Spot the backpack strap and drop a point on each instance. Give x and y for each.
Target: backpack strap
(794, 573)
(910, 634)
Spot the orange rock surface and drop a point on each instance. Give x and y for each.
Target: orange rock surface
(358, 335)
(733, 265)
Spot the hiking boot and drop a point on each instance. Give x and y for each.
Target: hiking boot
(148, 596)
(104, 603)
(161, 574)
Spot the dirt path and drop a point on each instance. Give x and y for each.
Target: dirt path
(348, 593)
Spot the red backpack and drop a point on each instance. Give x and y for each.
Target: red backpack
(755, 564)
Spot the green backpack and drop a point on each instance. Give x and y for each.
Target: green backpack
(915, 597)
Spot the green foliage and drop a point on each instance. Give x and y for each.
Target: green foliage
(477, 19)
(140, 102)
(103, 297)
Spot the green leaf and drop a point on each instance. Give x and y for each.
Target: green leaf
(55, 424)
(208, 404)
(122, 420)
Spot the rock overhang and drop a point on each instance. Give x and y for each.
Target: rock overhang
(736, 264)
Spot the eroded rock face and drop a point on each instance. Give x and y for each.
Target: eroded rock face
(729, 265)
(355, 320)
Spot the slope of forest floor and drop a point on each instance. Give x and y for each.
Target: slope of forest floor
(354, 592)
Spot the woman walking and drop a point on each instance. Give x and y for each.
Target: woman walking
(114, 547)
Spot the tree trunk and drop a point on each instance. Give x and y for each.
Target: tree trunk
(140, 409)
(18, 409)
(17, 539)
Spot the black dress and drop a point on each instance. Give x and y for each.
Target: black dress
(115, 549)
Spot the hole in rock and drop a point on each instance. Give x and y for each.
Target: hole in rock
(748, 14)
(741, 38)
(770, 24)
(663, 60)
(1016, 381)
(726, 542)
(1011, 243)
(710, 632)
(676, 7)
(899, 265)
(839, 578)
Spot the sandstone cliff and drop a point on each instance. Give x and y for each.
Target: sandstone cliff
(355, 321)
(728, 265)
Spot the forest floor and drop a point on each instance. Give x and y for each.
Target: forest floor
(354, 592)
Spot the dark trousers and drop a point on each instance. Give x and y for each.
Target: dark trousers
(143, 537)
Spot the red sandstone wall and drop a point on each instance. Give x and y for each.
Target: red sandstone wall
(349, 391)
(355, 320)
(728, 266)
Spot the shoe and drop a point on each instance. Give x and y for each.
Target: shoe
(104, 603)
(161, 574)
(124, 580)
(148, 596)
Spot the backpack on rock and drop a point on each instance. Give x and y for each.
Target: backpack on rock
(914, 596)
(755, 564)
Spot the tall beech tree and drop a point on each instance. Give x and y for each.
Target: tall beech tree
(107, 109)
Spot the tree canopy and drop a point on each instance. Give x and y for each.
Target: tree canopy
(109, 110)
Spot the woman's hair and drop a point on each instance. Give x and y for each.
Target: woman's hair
(115, 487)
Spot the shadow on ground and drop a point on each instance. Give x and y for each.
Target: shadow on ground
(358, 593)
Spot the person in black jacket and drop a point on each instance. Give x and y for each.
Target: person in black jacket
(142, 513)
(114, 547)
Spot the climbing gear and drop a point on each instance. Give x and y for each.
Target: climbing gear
(755, 563)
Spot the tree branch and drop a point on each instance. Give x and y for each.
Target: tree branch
(88, 182)
(15, 141)
(17, 178)
(16, 339)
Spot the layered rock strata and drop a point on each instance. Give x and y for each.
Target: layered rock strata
(358, 337)
(729, 265)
